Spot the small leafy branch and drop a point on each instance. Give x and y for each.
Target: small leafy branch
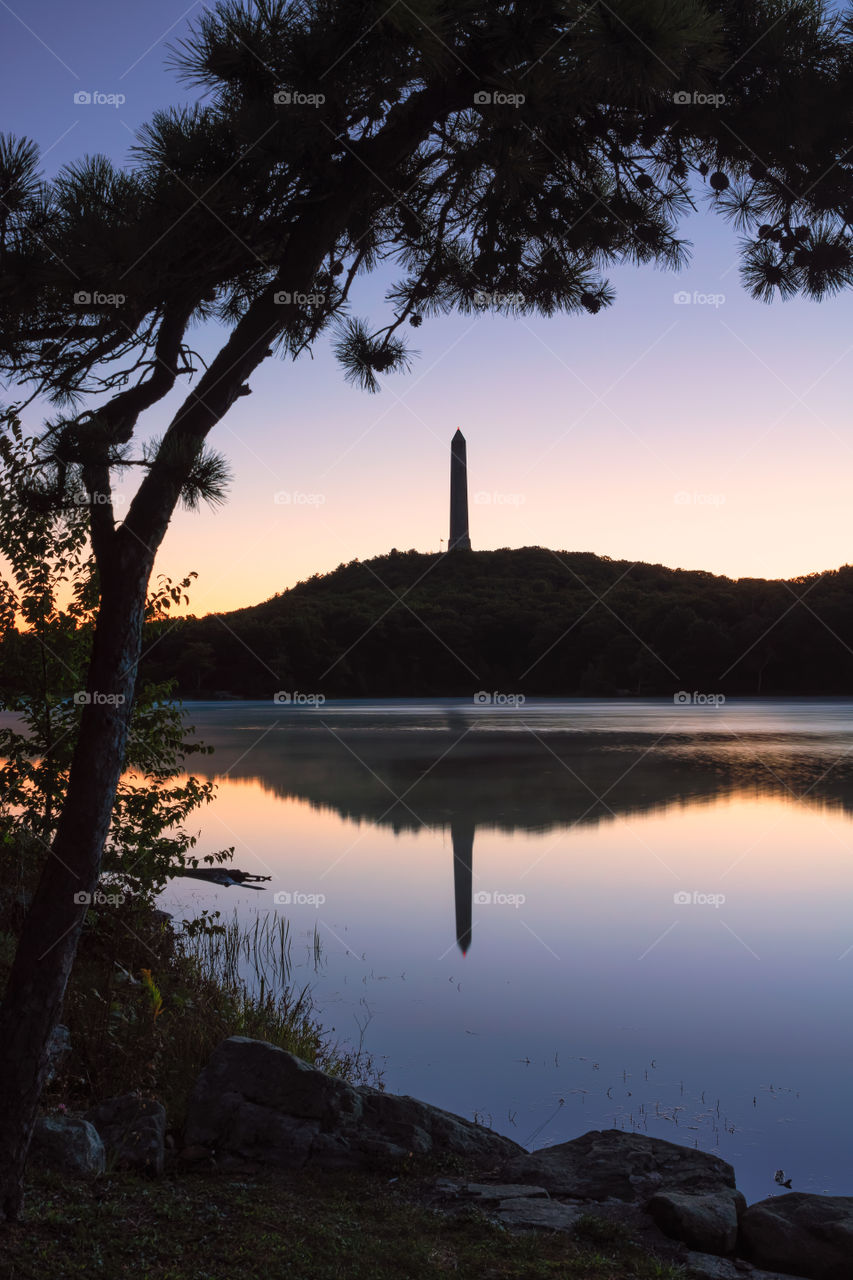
(49, 593)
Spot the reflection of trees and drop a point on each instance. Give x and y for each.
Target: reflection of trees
(455, 778)
(515, 780)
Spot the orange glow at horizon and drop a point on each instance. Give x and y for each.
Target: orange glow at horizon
(681, 838)
(615, 437)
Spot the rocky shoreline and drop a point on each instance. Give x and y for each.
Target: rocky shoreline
(255, 1105)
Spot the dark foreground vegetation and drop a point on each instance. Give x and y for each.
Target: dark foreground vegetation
(146, 1005)
(148, 1001)
(208, 1226)
(529, 620)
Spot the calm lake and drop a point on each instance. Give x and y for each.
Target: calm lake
(569, 914)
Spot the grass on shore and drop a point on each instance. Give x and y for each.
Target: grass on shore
(207, 986)
(146, 1008)
(303, 1226)
(147, 1004)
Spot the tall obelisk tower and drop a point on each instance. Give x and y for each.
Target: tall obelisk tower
(459, 539)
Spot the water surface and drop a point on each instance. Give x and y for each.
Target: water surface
(567, 914)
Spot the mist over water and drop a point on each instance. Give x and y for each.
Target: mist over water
(565, 915)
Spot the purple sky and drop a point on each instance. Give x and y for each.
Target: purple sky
(710, 433)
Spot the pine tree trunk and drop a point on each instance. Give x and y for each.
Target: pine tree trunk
(48, 941)
(36, 987)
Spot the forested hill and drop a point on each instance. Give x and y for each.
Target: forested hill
(529, 621)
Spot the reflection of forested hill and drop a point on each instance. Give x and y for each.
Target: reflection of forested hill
(511, 780)
(457, 775)
(528, 620)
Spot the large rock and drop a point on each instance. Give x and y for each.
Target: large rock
(548, 1215)
(708, 1223)
(704, 1266)
(609, 1164)
(256, 1102)
(68, 1144)
(495, 1192)
(802, 1234)
(133, 1131)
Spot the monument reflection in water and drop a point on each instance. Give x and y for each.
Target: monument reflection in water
(462, 836)
(449, 777)
(601, 1000)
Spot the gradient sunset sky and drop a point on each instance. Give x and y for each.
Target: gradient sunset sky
(707, 434)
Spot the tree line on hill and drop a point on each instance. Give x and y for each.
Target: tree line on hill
(529, 621)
